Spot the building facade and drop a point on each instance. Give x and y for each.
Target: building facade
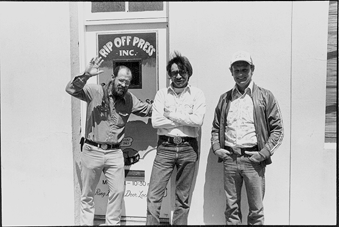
(44, 44)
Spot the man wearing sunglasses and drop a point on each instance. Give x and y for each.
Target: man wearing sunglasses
(178, 113)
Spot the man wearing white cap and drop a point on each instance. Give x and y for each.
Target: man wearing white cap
(247, 129)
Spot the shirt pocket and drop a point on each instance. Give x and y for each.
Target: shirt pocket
(122, 118)
(170, 106)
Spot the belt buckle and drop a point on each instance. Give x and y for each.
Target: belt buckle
(237, 150)
(104, 146)
(177, 140)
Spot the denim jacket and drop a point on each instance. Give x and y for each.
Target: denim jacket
(267, 122)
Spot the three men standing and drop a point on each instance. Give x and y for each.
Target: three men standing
(247, 128)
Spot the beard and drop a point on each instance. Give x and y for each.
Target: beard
(119, 91)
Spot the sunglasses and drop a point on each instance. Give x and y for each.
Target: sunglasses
(181, 72)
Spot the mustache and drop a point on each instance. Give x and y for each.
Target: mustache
(120, 91)
(122, 88)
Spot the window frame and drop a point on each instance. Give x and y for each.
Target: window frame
(119, 16)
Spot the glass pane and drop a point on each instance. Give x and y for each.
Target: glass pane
(145, 6)
(100, 7)
(135, 67)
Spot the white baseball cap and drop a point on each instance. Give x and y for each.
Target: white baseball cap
(241, 56)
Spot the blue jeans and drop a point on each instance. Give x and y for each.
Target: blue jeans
(183, 157)
(94, 161)
(239, 169)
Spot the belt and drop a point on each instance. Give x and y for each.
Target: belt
(241, 151)
(177, 139)
(103, 146)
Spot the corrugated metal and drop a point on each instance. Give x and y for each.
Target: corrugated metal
(331, 83)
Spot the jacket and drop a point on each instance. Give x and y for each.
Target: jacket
(267, 122)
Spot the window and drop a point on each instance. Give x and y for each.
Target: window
(145, 6)
(135, 67)
(99, 7)
(117, 12)
(331, 81)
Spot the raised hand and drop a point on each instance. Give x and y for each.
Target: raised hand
(92, 68)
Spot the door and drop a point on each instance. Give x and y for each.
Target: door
(144, 51)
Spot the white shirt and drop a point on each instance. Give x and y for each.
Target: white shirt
(240, 130)
(186, 111)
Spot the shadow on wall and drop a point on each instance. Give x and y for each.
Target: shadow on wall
(78, 173)
(214, 195)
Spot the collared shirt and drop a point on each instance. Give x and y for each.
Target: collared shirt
(186, 111)
(240, 130)
(102, 125)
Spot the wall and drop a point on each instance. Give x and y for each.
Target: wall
(313, 168)
(288, 46)
(36, 140)
(76, 107)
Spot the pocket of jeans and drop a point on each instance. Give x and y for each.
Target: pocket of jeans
(226, 157)
(87, 148)
(253, 162)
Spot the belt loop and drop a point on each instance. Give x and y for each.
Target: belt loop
(242, 152)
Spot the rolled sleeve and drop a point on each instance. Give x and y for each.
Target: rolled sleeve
(77, 88)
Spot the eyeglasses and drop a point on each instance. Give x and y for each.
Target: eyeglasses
(181, 72)
(124, 82)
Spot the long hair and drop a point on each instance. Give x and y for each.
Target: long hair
(181, 61)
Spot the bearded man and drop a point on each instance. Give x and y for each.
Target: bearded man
(108, 109)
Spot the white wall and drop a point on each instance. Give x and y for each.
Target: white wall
(288, 46)
(36, 142)
(313, 168)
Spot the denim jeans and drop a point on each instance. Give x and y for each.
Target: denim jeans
(239, 169)
(183, 157)
(94, 161)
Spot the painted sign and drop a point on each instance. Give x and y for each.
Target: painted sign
(133, 45)
(136, 188)
(136, 51)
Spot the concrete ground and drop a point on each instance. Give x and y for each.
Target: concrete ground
(100, 220)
